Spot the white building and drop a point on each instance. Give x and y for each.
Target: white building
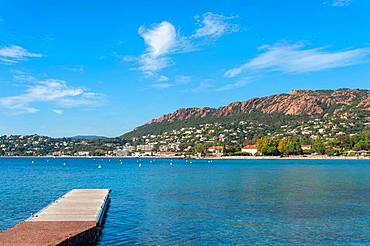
(120, 152)
(83, 153)
(251, 149)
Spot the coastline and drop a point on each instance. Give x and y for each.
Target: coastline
(318, 157)
(294, 158)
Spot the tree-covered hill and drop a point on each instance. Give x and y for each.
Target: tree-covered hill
(350, 107)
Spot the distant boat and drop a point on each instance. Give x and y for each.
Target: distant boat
(99, 166)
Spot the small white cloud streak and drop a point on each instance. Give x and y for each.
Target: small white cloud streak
(162, 85)
(58, 111)
(341, 3)
(296, 59)
(129, 59)
(79, 69)
(238, 84)
(183, 79)
(204, 85)
(20, 76)
(53, 91)
(214, 25)
(163, 78)
(15, 54)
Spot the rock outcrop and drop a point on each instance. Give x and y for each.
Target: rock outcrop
(298, 102)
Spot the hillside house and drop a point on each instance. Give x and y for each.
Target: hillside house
(251, 149)
(216, 150)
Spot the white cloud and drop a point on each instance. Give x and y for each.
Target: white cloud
(20, 76)
(238, 84)
(298, 59)
(163, 40)
(79, 69)
(163, 78)
(162, 85)
(183, 79)
(214, 25)
(160, 39)
(14, 54)
(129, 58)
(58, 111)
(53, 91)
(204, 85)
(150, 65)
(340, 3)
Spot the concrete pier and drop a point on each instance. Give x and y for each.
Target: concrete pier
(73, 219)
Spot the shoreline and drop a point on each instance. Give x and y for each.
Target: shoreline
(318, 157)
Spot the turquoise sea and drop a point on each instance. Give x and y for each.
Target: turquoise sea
(266, 202)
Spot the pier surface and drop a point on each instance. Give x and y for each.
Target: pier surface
(73, 219)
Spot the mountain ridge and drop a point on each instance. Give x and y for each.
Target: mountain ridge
(307, 104)
(296, 104)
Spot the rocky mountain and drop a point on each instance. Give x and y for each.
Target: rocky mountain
(292, 106)
(298, 102)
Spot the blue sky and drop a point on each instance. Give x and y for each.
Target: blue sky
(104, 67)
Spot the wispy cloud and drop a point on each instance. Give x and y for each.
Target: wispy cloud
(339, 3)
(58, 111)
(22, 77)
(127, 58)
(53, 91)
(204, 85)
(235, 85)
(79, 69)
(214, 25)
(15, 54)
(162, 40)
(298, 59)
(163, 78)
(183, 79)
(163, 85)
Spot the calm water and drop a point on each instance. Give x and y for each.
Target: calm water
(224, 202)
